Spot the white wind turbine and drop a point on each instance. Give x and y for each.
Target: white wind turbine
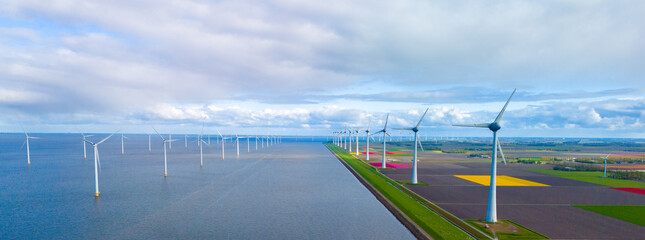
(384, 131)
(415, 129)
(97, 161)
(122, 145)
(604, 172)
(357, 152)
(27, 142)
(201, 144)
(165, 159)
(223, 140)
(85, 146)
(367, 142)
(491, 211)
(237, 144)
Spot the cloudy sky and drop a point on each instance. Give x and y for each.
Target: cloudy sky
(311, 67)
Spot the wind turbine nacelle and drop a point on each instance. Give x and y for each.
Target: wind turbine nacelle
(494, 127)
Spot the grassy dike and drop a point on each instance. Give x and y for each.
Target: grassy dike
(434, 221)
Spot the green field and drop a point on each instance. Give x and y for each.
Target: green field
(518, 233)
(629, 213)
(592, 177)
(416, 208)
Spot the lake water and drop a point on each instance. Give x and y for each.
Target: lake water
(293, 190)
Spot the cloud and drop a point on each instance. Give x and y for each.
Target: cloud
(174, 61)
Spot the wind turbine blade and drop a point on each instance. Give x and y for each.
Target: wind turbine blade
(106, 138)
(369, 124)
(153, 128)
(204, 142)
(499, 146)
(402, 128)
(504, 108)
(23, 144)
(424, 115)
(387, 117)
(34, 137)
(220, 134)
(420, 145)
(480, 125)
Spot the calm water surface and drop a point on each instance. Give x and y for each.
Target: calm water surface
(293, 190)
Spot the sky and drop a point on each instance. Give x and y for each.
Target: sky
(314, 67)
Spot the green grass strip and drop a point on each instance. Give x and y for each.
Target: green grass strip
(630, 213)
(409, 203)
(591, 177)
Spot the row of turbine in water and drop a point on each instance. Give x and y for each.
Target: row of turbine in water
(270, 140)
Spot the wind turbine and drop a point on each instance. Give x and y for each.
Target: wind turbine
(27, 142)
(357, 152)
(367, 139)
(97, 161)
(84, 146)
(237, 144)
(223, 140)
(122, 145)
(201, 144)
(165, 159)
(491, 211)
(349, 132)
(604, 173)
(415, 129)
(384, 131)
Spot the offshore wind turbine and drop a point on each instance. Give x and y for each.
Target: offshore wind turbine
(223, 140)
(491, 211)
(201, 144)
(415, 129)
(27, 142)
(84, 146)
(97, 161)
(237, 144)
(122, 145)
(165, 159)
(384, 131)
